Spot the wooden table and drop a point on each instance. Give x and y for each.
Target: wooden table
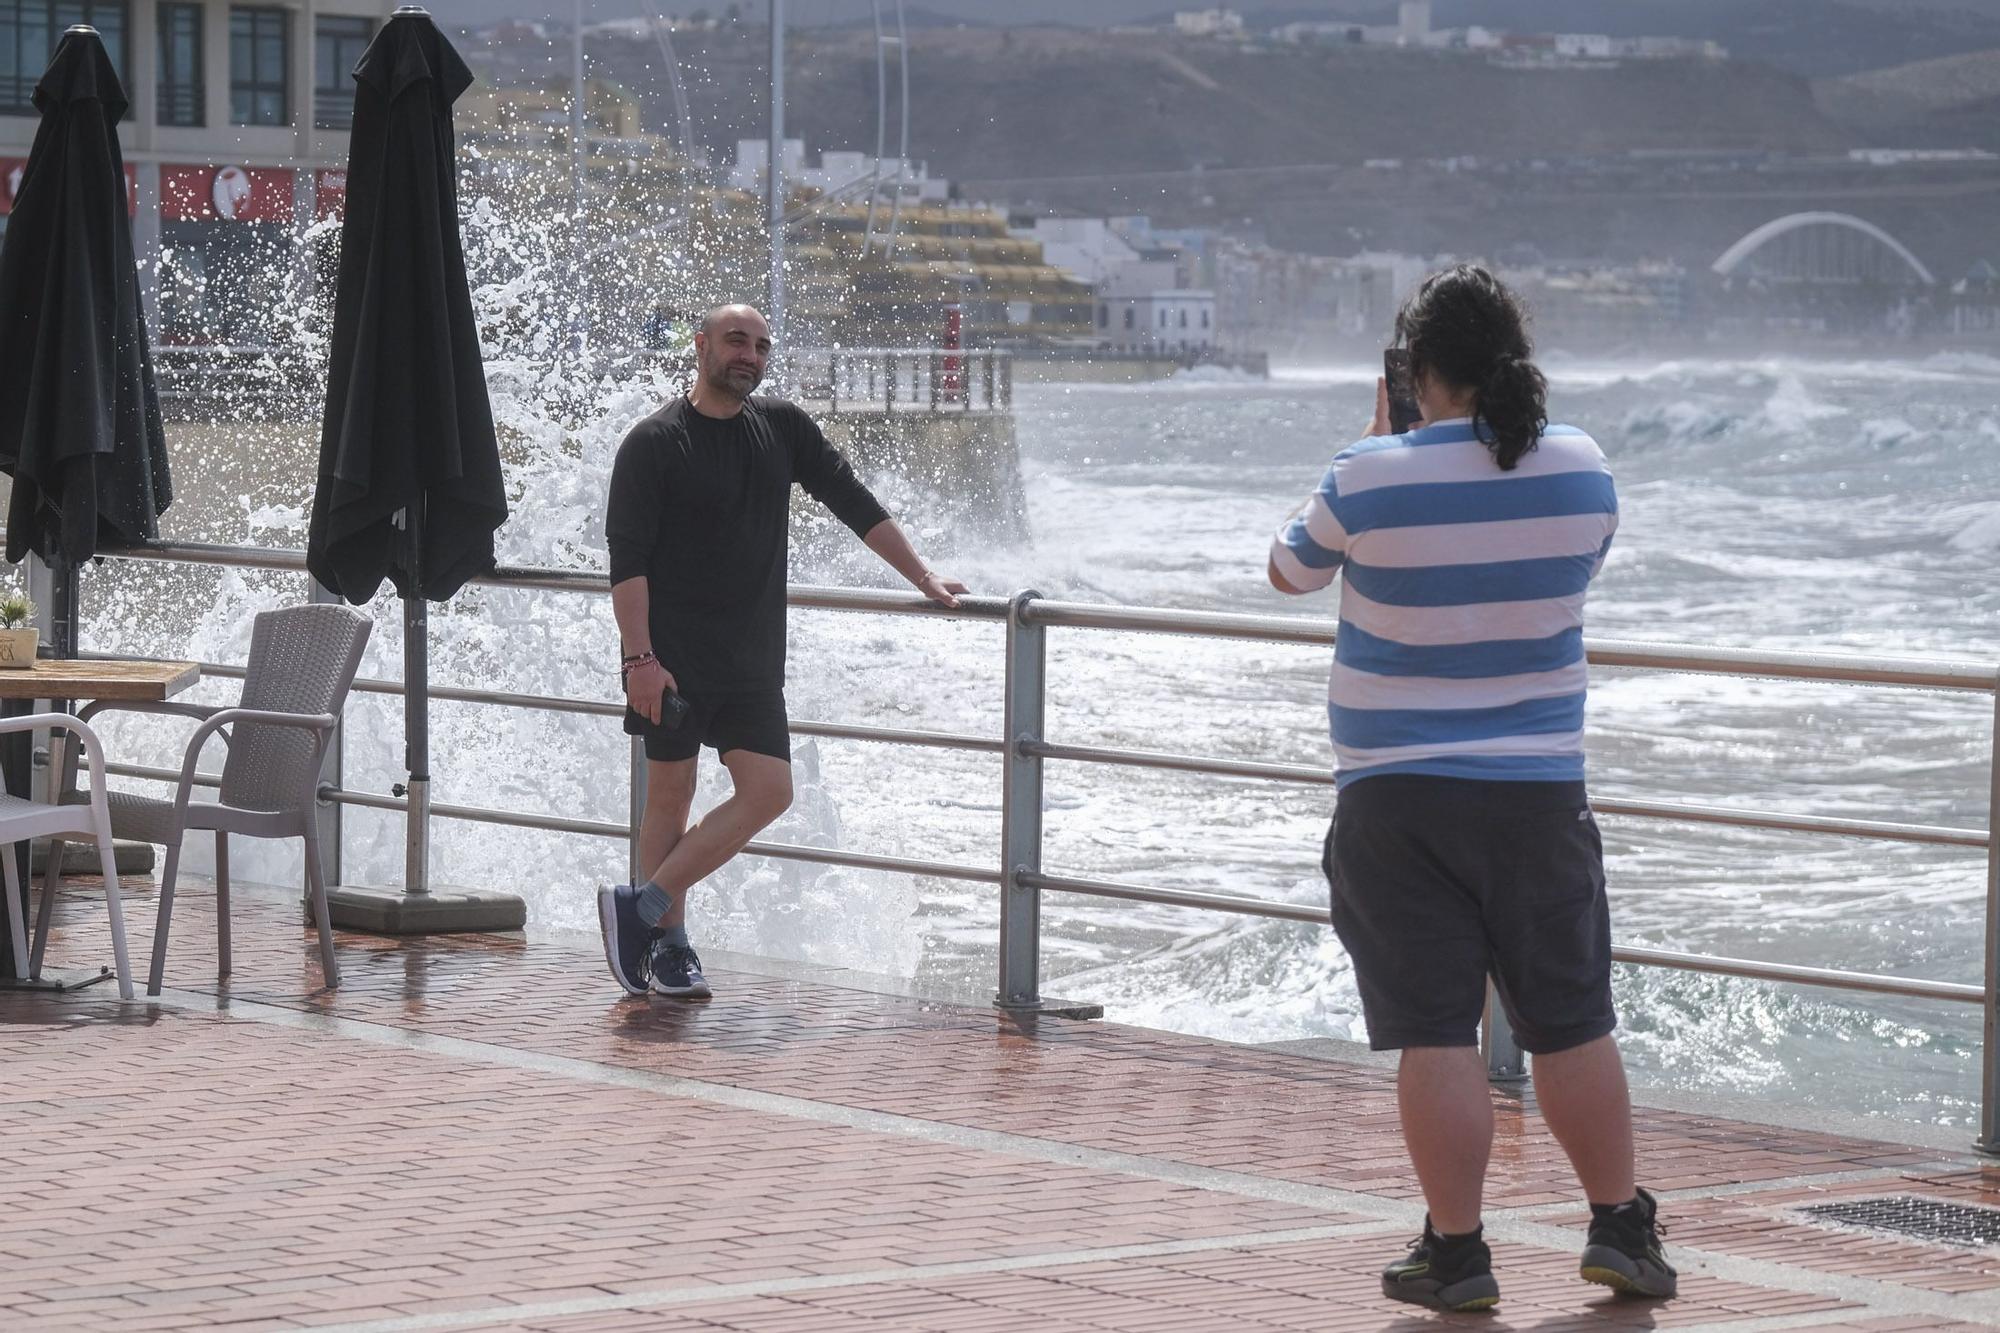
(124, 679)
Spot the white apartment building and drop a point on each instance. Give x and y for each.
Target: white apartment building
(1140, 309)
(1087, 249)
(1208, 23)
(236, 139)
(838, 172)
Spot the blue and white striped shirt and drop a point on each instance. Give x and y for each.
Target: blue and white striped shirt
(1460, 649)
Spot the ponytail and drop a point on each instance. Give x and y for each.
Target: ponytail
(1512, 411)
(1466, 330)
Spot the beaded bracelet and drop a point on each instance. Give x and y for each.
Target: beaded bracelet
(630, 664)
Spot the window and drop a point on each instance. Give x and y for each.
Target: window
(338, 43)
(29, 31)
(1103, 316)
(1163, 317)
(1128, 316)
(1204, 317)
(1183, 316)
(182, 94)
(259, 91)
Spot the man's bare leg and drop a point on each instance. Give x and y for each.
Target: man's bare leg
(1583, 1098)
(762, 791)
(669, 796)
(1447, 1115)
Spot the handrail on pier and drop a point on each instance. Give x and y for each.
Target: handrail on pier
(1026, 752)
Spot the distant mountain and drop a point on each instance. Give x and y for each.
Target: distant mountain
(1951, 101)
(1815, 38)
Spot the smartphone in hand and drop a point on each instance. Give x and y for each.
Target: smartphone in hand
(673, 709)
(1403, 410)
(673, 712)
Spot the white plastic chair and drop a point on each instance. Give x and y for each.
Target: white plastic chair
(21, 820)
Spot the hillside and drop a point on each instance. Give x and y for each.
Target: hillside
(1815, 38)
(1002, 105)
(1954, 100)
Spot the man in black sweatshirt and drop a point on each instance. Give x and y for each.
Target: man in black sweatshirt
(698, 526)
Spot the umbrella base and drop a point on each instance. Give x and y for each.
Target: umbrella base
(445, 909)
(80, 858)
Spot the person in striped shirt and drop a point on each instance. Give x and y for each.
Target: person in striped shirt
(1463, 844)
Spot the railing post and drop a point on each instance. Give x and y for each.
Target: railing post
(327, 814)
(1021, 810)
(635, 873)
(889, 381)
(833, 383)
(1505, 1062)
(937, 378)
(1989, 1051)
(991, 402)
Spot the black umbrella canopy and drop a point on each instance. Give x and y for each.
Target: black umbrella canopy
(80, 428)
(409, 471)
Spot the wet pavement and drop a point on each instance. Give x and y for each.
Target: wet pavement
(482, 1132)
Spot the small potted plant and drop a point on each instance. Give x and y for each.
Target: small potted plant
(18, 636)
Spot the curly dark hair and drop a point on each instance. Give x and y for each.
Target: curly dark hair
(1465, 329)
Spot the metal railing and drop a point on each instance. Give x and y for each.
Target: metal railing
(283, 382)
(1026, 751)
(904, 379)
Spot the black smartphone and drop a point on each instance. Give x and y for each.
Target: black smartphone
(673, 709)
(673, 712)
(1403, 413)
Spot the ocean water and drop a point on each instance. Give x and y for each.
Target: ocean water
(1789, 503)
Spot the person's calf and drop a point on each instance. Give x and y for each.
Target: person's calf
(1582, 1095)
(1446, 1108)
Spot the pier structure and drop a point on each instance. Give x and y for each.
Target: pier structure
(480, 1132)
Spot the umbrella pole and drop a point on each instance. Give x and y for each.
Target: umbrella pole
(66, 592)
(419, 907)
(416, 714)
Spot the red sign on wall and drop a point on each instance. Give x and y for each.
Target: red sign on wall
(329, 192)
(13, 168)
(225, 194)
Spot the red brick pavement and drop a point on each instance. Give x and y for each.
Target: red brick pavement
(488, 1132)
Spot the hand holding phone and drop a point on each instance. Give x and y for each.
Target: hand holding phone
(673, 709)
(1404, 413)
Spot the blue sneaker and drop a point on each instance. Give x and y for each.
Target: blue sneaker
(626, 937)
(677, 972)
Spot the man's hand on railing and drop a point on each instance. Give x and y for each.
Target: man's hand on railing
(945, 592)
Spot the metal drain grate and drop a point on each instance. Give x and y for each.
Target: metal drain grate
(1908, 1215)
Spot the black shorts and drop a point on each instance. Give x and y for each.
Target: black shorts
(753, 720)
(1439, 882)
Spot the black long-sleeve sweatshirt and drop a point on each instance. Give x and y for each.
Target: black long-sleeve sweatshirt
(701, 506)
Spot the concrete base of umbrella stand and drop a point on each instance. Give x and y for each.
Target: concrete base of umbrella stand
(444, 910)
(131, 858)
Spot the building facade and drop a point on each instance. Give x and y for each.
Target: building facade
(235, 143)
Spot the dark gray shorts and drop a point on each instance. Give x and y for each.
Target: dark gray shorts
(1439, 882)
(753, 720)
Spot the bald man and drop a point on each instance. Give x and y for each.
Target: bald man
(698, 526)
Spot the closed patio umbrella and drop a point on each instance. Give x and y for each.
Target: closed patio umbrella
(80, 429)
(410, 487)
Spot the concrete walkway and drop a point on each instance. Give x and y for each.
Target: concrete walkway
(480, 1132)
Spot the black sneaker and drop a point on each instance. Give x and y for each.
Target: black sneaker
(1623, 1251)
(677, 972)
(1444, 1275)
(626, 936)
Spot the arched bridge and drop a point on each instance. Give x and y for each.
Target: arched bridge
(1823, 247)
